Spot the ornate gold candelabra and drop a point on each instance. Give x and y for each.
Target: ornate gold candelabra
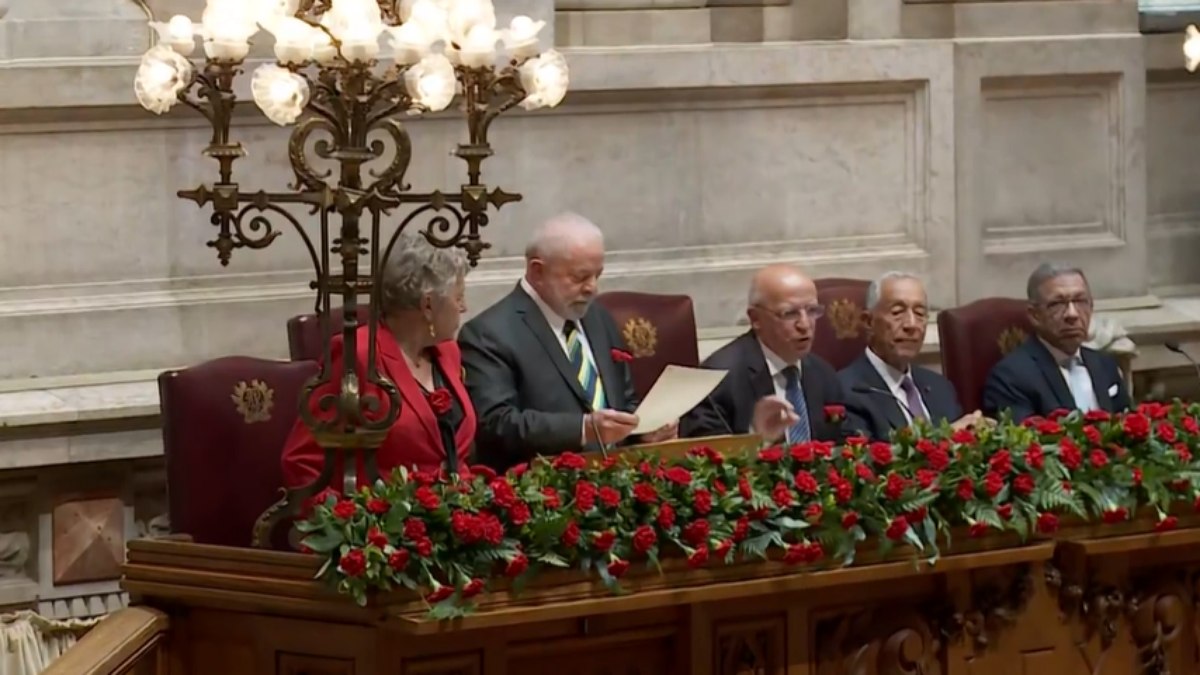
(347, 110)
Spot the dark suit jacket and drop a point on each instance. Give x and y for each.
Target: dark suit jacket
(877, 414)
(730, 408)
(415, 440)
(1028, 382)
(526, 394)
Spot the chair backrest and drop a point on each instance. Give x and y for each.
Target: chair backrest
(841, 336)
(975, 337)
(304, 332)
(224, 425)
(659, 330)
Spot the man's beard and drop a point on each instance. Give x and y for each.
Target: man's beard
(576, 310)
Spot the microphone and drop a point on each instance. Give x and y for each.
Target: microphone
(717, 409)
(1175, 347)
(868, 389)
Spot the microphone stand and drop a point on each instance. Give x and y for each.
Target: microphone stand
(876, 391)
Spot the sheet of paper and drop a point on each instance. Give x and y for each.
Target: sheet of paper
(677, 391)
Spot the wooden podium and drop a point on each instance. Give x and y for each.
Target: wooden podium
(1107, 599)
(1115, 604)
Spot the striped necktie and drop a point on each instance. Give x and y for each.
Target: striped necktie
(801, 431)
(585, 370)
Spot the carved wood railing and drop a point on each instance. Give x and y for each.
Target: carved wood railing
(131, 640)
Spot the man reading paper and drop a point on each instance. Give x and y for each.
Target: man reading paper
(540, 364)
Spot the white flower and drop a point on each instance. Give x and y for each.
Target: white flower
(227, 26)
(545, 80)
(179, 34)
(521, 38)
(410, 42)
(465, 15)
(430, 15)
(1191, 48)
(162, 75)
(266, 11)
(279, 93)
(479, 49)
(431, 82)
(357, 24)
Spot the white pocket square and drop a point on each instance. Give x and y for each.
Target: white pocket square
(1112, 391)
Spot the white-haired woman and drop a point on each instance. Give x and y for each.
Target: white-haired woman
(422, 304)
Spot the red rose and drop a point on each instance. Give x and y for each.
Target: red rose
(1058, 413)
(1001, 462)
(1097, 416)
(645, 493)
(1185, 455)
(897, 529)
(795, 554)
(849, 520)
(427, 498)
(473, 588)
(864, 472)
(1093, 435)
(1116, 515)
(376, 538)
(1166, 432)
(1035, 458)
(881, 454)
(644, 539)
(1049, 428)
(993, 483)
(1137, 475)
(699, 557)
(666, 516)
(963, 437)
(550, 498)
(354, 563)
(609, 497)
(978, 529)
(938, 459)
(806, 483)
(744, 488)
(702, 502)
(621, 356)
(378, 506)
(1005, 511)
(812, 513)
(503, 494)
(803, 452)
(1136, 426)
(835, 413)
(1098, 459)
(965, 490)
(696, 532)
(915, 517)
(440, 401)
(1047, 523)
(842, 489)
(398, 560)
(604, 540)
(414, 529)
(617, 568)
(926, 478)
(486, 472)
(516, 566)
(679, 475)
(1154, 409)
(439, 594)
(1023, 484)
(345, 509)
(771, 455)
(569, 461)
(518, 470)
(722, 549)
(585, 496)
(1167, 524)
(424, 547)
(781, 495)
(741, 530)
(1190, 425)
(1070, 454)
(519, 514)
(570, 535)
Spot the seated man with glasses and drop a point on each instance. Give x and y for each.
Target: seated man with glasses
(1053, 370)
(775, 387)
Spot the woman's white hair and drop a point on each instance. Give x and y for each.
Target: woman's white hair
(416, 268)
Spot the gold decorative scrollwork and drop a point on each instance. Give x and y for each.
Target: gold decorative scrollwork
(253, 401)
(846, 318)
(640, 336)
(1010, 338)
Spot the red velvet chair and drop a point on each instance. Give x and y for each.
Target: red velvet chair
(659, 330)
(224, 425)
(841, 336)
(975, 337)
(304, 333)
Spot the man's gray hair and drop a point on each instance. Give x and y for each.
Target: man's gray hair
(1047, 271)
(876, 288)
(416, 267)
(556, 236)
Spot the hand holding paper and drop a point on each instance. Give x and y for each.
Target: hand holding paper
(677, 391)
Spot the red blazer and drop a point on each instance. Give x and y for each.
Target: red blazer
(414, 439)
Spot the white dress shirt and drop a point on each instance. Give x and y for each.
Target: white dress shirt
(556, 324)
(775, 366)
(1081, 387)
(893, 378)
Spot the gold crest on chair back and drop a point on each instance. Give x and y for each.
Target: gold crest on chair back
(658, 330)
(975, 337)
(840, 335)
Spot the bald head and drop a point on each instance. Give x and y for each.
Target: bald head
(558, 236)
(783, 310)
(563, 263)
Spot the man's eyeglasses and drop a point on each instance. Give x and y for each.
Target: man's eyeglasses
(794, 314)
(1059, 307)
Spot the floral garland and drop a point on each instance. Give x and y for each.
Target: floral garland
(812, 502)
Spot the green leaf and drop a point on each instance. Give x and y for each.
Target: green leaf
(789, 523)
(551, 559)
(758, 546)
(324, 542)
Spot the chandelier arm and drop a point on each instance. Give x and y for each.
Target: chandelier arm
(400, 101)
(298, 152)
(516, 93)
(275, 208)
(392, 177)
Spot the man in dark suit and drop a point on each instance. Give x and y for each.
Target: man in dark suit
(1053, 370)
(774, 386)
(543, 365)
(885, 390)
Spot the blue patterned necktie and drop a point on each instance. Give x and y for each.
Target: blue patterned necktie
(802, 430)
(585, 371)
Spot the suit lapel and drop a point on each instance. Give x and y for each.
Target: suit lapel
(1045, 362)
(606, 368)
(814, 396)
(872, 378)
(1091, 361)
(410, 391)
(760, 377)
(532, 316)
